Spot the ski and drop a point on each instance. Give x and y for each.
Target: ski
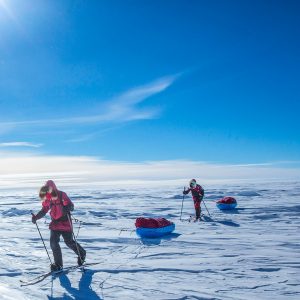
(194, 219)
(40, 278)
(66, 270)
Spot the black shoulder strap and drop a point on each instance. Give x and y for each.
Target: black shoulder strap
(60, 198)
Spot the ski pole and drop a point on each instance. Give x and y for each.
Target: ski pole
(74, 238)
(206, 208)
(42, 240)
(182, 203)
(77, 221)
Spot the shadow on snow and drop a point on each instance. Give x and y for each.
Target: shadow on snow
(225, 222)
(84, 290)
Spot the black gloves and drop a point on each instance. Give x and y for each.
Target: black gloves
(33, 219)
(38, 216)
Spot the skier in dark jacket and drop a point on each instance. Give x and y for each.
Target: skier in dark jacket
(60, 207)
(197, 194)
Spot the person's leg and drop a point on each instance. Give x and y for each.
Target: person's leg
(197, 209)
(54, 244)
(200, 207)
(68, 238)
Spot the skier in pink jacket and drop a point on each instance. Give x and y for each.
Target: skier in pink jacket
(197, 194)
(60, 206)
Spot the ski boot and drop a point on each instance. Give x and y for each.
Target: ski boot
(55, 267)
(81, 259)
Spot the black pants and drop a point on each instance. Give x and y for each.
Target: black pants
(68, 238)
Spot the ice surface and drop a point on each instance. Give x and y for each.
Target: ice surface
(251, 252)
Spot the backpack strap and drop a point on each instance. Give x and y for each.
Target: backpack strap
(70, 206)
(60, 198)
(64, 217)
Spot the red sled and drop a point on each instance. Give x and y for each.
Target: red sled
(227, 203)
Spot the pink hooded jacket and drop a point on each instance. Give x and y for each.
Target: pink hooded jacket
(58, 208)
(197, 192)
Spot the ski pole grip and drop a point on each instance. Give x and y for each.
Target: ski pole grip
(33, 215)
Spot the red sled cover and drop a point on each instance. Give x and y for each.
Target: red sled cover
(151, 222)
(227, 200)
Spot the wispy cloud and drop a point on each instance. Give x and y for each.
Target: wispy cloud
(20, 144)
(122, 108)
(97, 133)
(125, 105)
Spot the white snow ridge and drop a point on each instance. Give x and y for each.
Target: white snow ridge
(249, 253)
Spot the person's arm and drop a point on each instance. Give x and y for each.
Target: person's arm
(200, 190)
(68, 205)
(185, 192)
(41, 213)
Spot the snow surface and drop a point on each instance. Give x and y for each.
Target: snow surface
(249, 253)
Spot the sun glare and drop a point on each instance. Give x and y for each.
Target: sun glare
(5, 6)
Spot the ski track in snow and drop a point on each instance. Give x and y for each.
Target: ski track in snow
(251, 252)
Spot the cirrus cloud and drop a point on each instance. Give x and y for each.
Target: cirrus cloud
(20, 144)
(122, 108)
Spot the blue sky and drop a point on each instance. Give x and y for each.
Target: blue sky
(213, 81)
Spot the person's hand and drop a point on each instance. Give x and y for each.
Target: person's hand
(33, 219)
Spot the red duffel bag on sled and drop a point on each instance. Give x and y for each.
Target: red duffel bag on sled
(226, 203)
(153, 227)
